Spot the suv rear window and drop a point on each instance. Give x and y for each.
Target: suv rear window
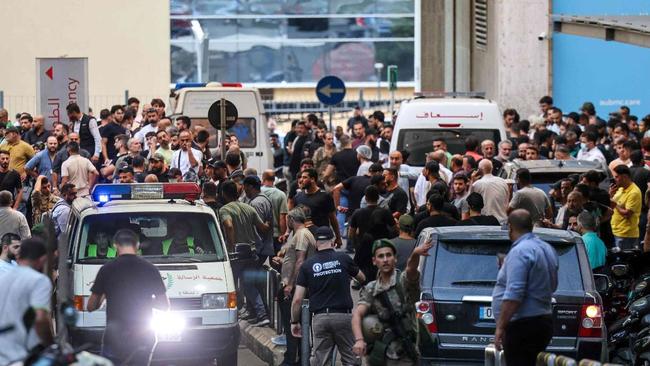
(479, 265)
(419, 142)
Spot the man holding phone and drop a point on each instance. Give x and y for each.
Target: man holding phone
(626, 203)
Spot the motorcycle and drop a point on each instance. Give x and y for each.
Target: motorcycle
(622, 269)
(61, 353)
(625, 332)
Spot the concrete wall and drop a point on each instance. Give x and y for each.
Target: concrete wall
(126, 42)
(516, 67)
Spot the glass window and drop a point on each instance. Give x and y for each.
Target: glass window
(479, 263)
(368, 27)
(371, 6)
(419, 142)
(306, 61)
(183, 62)
(164, 237)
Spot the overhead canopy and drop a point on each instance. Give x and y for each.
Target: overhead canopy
(633, 29)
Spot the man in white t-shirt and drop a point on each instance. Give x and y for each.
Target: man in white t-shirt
(182, 159)
(26, 293)
(588, 148)
(494, 190)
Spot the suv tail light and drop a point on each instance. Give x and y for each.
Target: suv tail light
(425, 311)
(591, 321)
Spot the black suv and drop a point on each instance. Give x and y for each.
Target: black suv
(458, 278)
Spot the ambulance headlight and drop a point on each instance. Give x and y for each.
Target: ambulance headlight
(214, 301)
(166, 322)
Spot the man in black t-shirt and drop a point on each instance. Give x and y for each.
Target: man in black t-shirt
(320, 203)
(367, 225)
(436, 217)
(326, 276)
(397, 198)
(345, 162)
(9, 178)
(132, 287)
(112, 129)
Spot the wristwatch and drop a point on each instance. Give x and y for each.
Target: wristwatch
(292, 323)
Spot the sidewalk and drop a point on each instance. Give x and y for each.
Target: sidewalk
(258, 340)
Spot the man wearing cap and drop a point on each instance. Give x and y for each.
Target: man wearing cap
(326, 276)
(157, 167)
(405, 242)
(20, 151)
(392, 289)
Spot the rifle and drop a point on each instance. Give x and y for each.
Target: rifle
(406, 337)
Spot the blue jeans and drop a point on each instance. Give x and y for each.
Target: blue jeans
(248, 274)
(341, 216)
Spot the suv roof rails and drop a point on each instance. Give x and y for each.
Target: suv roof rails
(442, 94)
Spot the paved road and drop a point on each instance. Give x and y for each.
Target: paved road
(248, 358)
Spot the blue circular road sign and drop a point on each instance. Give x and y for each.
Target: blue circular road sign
(330, 90)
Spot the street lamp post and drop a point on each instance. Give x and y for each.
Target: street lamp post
(379, 66)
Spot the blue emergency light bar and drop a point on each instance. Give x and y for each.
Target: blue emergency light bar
(103, 193)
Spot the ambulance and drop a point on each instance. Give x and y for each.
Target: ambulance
(182, 238)
(194, 100)
(422, 119)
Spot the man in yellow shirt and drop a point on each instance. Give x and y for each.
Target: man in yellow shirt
(626, 203)
(20, 152)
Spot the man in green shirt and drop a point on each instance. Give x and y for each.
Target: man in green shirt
(596, 250)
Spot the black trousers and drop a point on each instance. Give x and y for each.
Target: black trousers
(128, 346)
(292, 354)
(525, 338)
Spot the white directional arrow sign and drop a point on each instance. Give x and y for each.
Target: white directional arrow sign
(327, 91)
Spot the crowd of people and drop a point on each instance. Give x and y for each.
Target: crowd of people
(344, 187)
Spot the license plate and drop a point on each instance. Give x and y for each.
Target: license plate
(485, 313)
(169, 337)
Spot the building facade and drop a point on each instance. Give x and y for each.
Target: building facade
(291, 43)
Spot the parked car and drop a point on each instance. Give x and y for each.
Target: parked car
(456, 287)
(547, 172)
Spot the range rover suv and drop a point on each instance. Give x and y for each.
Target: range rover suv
(456, 286)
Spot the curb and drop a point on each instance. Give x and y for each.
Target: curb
(258, 340)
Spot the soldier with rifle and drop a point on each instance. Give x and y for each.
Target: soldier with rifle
(390, 302)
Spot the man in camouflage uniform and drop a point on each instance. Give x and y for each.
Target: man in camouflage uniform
(399, 343)
(42, 198)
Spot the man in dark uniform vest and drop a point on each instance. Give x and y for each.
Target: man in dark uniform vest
(86, 127)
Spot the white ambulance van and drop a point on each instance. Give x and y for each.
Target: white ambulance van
(251, 128)
(422, 119)
(202, 323)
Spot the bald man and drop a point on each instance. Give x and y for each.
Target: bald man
(37, 133)
(494, 190)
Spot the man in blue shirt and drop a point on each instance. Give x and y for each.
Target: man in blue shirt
(596, 250)
(522, 296)
(42, 162)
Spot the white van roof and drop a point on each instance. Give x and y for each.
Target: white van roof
(447, 112)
